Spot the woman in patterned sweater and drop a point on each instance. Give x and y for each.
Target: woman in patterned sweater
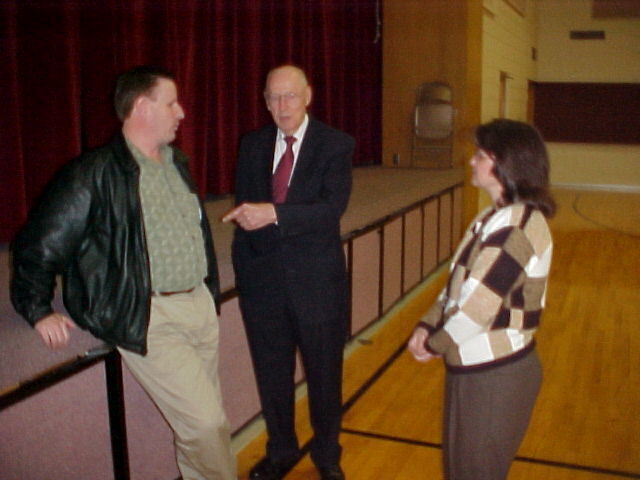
(483, 321)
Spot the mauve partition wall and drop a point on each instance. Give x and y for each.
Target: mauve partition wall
(40, 437)
(445, 203)
(391, 263)
(365, 283)
(149, 438)
(430, 236)
(412, 248)
(399, 252)
(239, 391)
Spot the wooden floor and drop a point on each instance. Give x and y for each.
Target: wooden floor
(586, 425)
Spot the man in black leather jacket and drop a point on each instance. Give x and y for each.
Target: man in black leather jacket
(124, 228)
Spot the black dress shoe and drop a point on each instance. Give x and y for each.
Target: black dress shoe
(266, 469)
(331, 473)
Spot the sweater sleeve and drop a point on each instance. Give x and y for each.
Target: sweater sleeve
(431, 319)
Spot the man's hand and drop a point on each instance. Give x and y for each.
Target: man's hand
(252, 216)
(54, 330)
(416, 345)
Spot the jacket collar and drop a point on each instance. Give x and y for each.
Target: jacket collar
(124, 156)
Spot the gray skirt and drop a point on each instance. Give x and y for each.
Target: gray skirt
(486, 414)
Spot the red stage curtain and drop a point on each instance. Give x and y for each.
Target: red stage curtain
(60, 59)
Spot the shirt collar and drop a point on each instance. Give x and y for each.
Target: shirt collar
(165, 151)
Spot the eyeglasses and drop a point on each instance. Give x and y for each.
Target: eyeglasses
(289, 97)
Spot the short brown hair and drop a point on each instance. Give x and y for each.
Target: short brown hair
(135, 82)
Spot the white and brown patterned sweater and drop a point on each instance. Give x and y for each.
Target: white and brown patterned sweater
(491, 307)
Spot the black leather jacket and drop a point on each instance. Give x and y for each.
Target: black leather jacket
(88, 227)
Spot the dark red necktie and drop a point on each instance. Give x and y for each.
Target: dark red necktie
(280, 180)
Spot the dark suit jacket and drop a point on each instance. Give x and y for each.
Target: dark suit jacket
(302, 255)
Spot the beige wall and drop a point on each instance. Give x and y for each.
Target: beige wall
(612, 167)
(468, 43)
(615, 59)
(508, 39)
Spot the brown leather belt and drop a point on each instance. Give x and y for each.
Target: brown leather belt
(168, 294)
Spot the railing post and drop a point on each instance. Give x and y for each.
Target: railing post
(117, 421)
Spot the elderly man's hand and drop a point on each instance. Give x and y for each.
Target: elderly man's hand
(54, 330)
(252, 216)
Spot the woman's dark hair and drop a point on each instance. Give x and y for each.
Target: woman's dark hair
(135, 82)
(521, 162)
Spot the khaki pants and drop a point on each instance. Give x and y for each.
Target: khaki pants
(180, 374)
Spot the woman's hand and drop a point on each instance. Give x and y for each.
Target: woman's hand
(417, 347)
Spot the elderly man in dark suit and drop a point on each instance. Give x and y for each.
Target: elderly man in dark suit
(293, 184)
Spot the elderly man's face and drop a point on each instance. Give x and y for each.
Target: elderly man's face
(287, 95)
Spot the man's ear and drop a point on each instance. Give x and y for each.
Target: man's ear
(308, 96)
(140, 106)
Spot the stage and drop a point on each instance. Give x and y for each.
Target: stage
(400, 224)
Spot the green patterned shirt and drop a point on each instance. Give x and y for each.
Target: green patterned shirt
(172, 224)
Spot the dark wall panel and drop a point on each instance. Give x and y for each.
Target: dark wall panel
(588, 112)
